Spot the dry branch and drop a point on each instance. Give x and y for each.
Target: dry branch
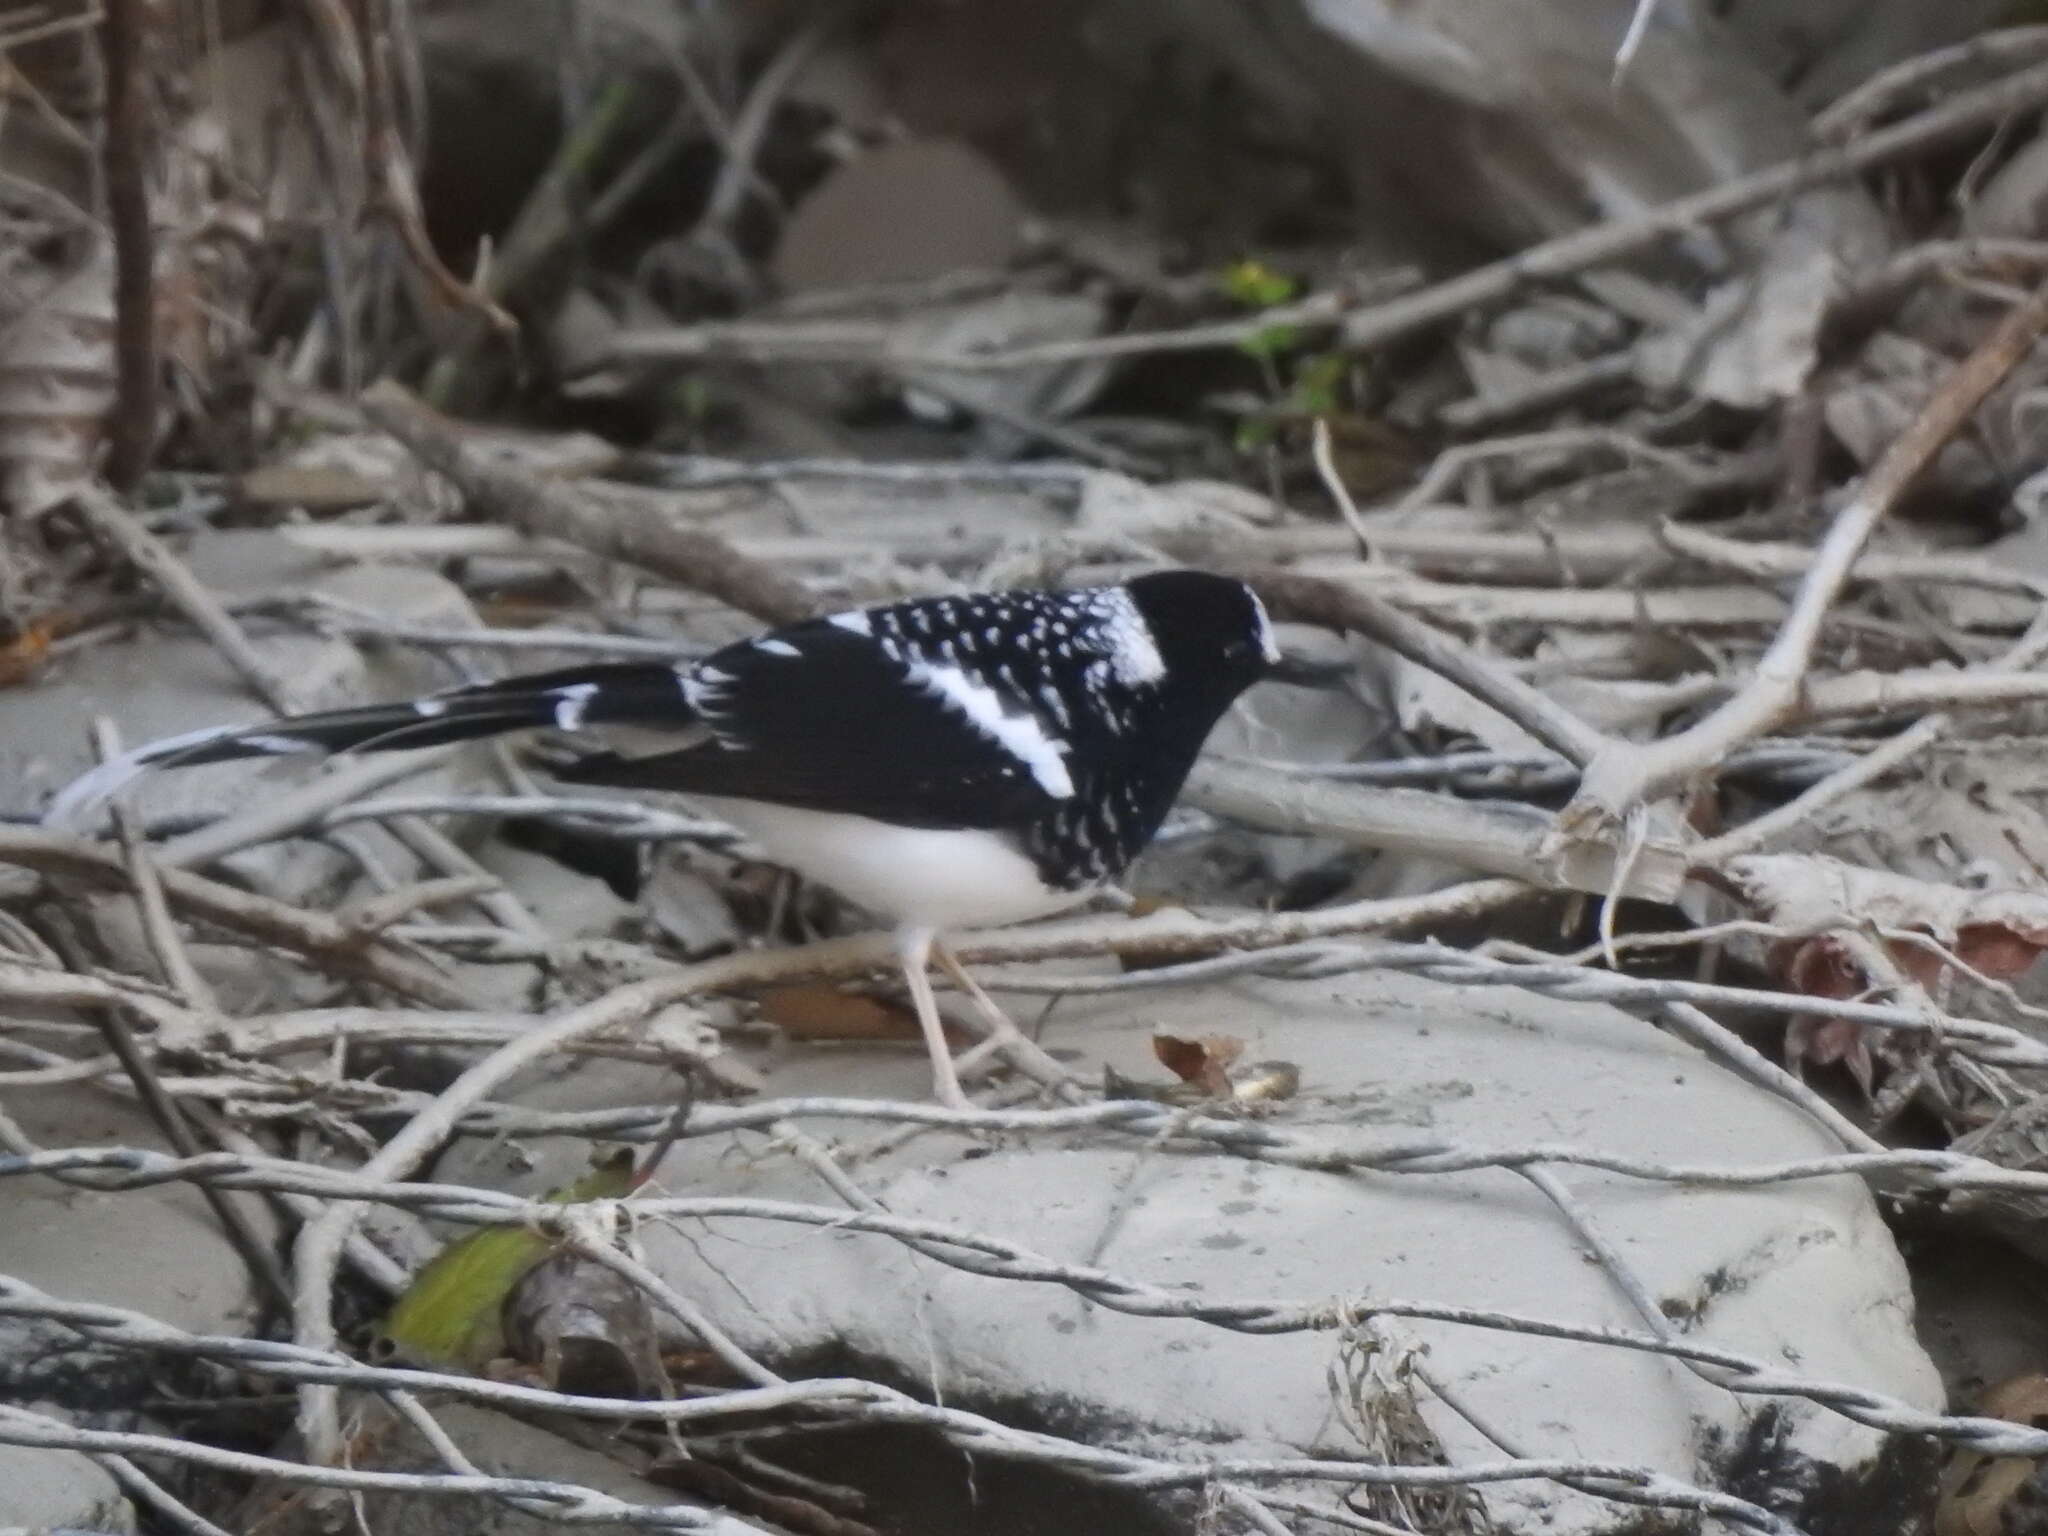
(326, 942)
(124, 159)
(635, 535)
(1495, 838)
(1311, 600)
(154, 559)
(1967, 113)
(1623, 776)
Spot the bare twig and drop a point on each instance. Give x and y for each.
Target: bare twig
(327, 943)
(295, 809)
(157, 923)
(1789, 562)
(1752, 836)
(878, 344)
(1314, 601)
(736, 174)
(1639, 25)
(691, 556)
(1547, 391)
(1497, 838)
(256, 1254)
(1966, 113)
(124, 159)
(1885, 693)
(388, 170)
(1850, 112)
(1333, 482)
(154, 559)
(1625, 775)
(1454, 461)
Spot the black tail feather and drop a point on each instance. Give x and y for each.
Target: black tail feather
(644, 693)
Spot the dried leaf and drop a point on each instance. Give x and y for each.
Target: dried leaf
(1203, 1063)
(1268, 1082)
(1976, 1490)
(818, 1011)
(2023, 1399)
(23, 656)
(1998, 950)
(587, 1329)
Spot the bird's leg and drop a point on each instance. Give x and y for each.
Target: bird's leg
(914, 949)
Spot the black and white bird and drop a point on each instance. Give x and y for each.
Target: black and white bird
(946, 763)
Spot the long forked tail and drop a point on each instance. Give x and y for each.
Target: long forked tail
(641, 693)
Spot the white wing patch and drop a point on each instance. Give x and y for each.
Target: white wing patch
(1021, 735)
(854, 621)
(777, 647)
(571, 703)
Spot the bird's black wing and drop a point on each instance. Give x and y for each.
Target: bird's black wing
(829, 717)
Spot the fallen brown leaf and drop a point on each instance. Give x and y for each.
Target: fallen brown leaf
(1976, 1489)
(1204, 1063)
(817, 1011)
(23, 656)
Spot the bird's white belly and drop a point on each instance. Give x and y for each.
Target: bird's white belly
(907, 875)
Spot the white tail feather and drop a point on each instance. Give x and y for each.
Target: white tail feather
(77, 807)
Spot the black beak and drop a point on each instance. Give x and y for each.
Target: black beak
(1300, 671)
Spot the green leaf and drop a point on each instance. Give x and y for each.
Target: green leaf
(1256, 285)
(1272, 341)
(1254, 433)
(1317, 382)
(451, 1314)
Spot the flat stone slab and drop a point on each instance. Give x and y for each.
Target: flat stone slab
(1802, 1276)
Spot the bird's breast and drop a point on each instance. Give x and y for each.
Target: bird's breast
(935, 878)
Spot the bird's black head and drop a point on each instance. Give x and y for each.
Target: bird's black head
(1211, 631)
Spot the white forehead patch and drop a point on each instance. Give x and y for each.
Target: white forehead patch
(1021, 735)
(853, 621)
(1269, 647)
(1133, 654)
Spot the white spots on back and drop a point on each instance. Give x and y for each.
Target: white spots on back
(571, 704)
(1020, 734)
(702, 686)
(853, 622)
(1055, 704)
